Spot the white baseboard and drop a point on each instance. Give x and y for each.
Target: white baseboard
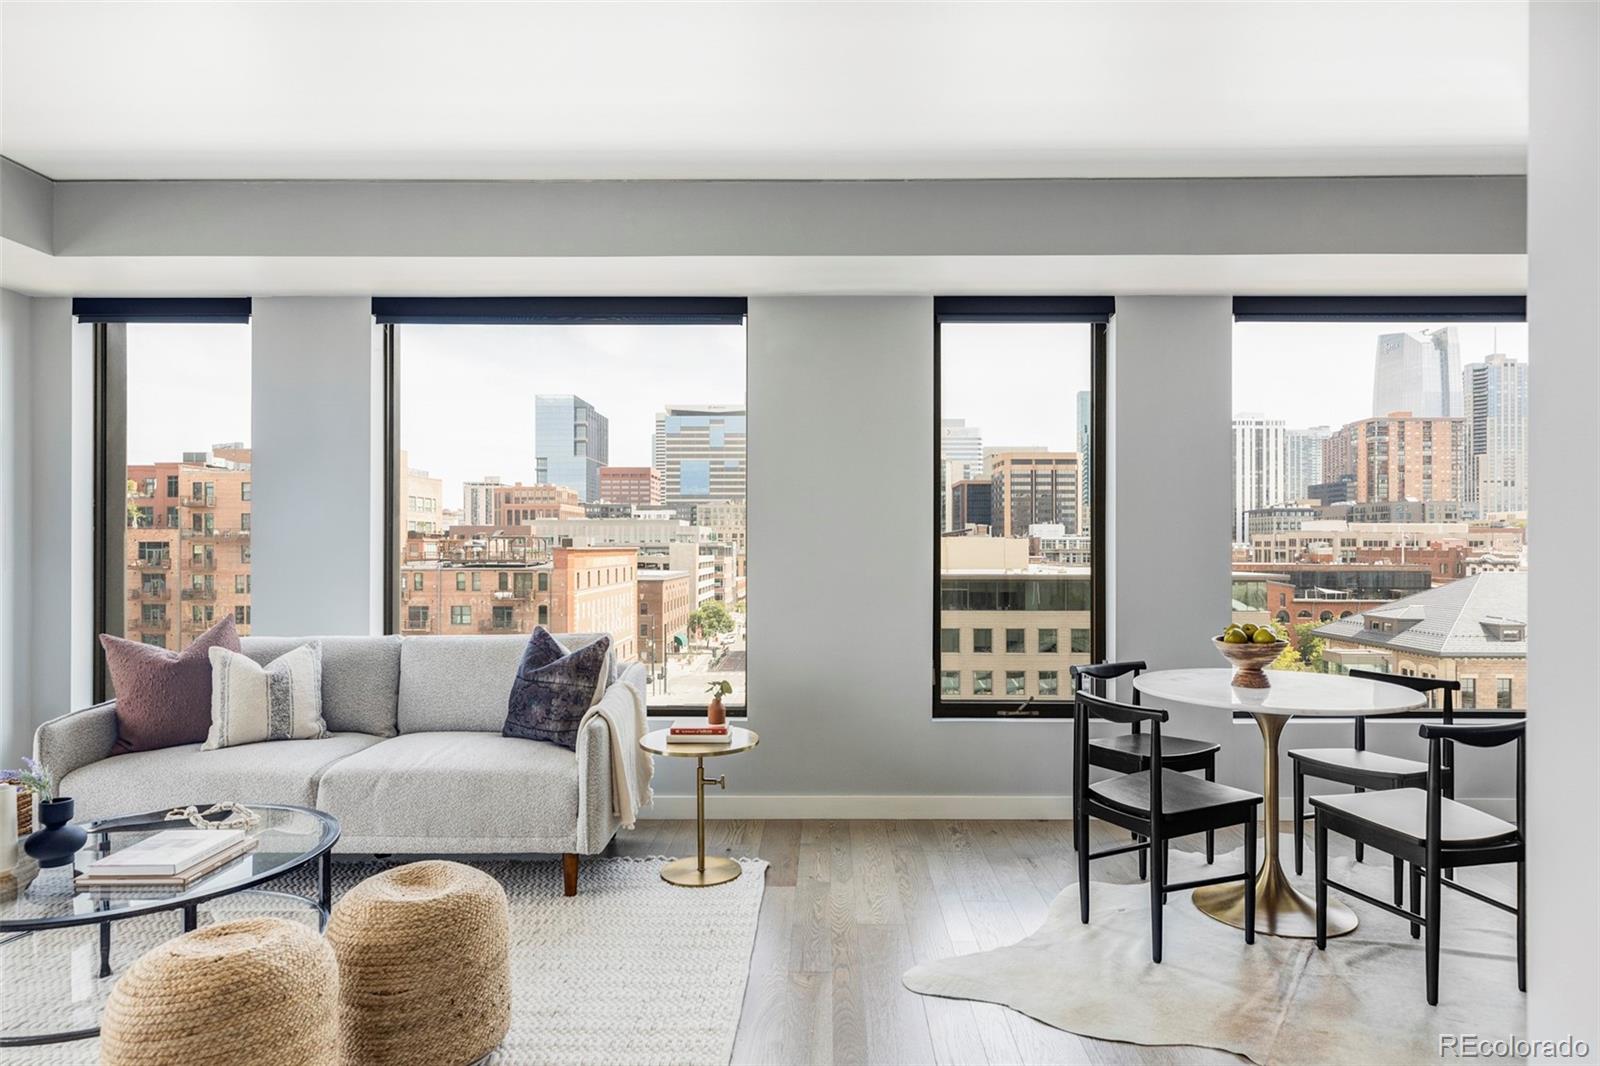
(990, 808)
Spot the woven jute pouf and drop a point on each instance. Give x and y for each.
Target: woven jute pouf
(424, 966)
(244, 993)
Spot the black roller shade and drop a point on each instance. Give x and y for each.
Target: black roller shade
(1024, 308)
(161, 309)
(1380, 308)
(555, 310)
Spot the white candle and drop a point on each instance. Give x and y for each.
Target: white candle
(8, 826)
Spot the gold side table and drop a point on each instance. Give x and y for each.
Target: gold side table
(700, 872)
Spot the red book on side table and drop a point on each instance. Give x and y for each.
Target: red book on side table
(697, 731)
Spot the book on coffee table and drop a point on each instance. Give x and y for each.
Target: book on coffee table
(91, 879)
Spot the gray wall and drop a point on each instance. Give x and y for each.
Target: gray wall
(1564, 536)
(316, 471)
(16, 532)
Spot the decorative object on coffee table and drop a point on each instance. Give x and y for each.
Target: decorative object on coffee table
(59, 840)
(716, 713)
(424, 966)
(216, 816)
(16, 868)
(254, 990)
(1249, 660)
(700, 872)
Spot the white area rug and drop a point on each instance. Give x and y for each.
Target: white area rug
(1279, 1000)
(632, 970)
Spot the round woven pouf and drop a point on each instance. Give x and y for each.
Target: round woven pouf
(424, 966)
(244, 993)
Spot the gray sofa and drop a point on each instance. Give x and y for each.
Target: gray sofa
(414, 762)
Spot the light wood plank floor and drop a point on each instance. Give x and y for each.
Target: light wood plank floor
(850, 905)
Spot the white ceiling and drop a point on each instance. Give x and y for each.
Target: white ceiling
(679, 90)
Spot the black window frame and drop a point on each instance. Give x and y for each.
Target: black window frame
(1383, 309)
(392, 312)
(108, 318)
(1097, 312)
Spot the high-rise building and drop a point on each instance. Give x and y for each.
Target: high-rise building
(1400, 457)
(1085, 455)
(1260, 468)
(969, 505)
(639, 485)
(1303, 448)
(1031, 488)
(961, 443)
(699, 451)
(1495, 392)
(477, 502)
(421, 500)
(570, 444)
(1418, 372)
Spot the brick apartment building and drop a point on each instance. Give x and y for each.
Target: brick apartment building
(519, 504)
(638, 485)
(186, 547)
(1399, 457)
(666, 599)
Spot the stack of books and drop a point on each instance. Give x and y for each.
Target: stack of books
(172, 858)
(698, 731)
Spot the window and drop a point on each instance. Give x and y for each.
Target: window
(244, 491)
(417, 619)
(950, 682)
(1015, 521)
(1502, 693)
(949, 640)
(1049, 683)
(631, 406)
(416, 581)
(1380, 464)
(983, 683)
(177, 394)
(241, 615)
(460, 616)
(244, 520)
(461, 582)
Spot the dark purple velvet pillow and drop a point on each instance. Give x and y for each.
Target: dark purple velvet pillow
(555, 688)
(164, 697)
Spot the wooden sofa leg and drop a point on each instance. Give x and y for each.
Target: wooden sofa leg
(569, 874)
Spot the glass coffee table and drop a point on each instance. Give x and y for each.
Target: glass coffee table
(287, 839)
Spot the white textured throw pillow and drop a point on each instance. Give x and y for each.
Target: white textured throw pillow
(280, 701)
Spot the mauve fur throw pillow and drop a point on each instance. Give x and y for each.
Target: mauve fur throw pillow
(164, 697)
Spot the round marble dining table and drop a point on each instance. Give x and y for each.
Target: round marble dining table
(1281, 909)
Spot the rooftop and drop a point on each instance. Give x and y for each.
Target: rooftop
(1458, 620)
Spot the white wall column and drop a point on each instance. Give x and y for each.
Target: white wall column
(16, 534)
(317, 467)
(1564, 520)
(61, 512)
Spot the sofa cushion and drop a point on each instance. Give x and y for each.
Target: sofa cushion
(450, 683)
(175, 777)
(360, 678)
(163, 697)
(454, 793)
(252, 704)
(550, 696)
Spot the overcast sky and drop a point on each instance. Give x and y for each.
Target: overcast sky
(467, 391)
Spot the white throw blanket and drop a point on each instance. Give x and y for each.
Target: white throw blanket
(623, 708)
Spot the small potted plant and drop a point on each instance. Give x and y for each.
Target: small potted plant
(58, 840)
(716, 714)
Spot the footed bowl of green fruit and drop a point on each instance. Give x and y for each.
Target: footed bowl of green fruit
(1249, 648)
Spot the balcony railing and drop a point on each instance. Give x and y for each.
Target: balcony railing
(201, 563)
(204, 500)
(513, 594)
(193, 593)
(151, 562)
(492, 626)
(150, 595)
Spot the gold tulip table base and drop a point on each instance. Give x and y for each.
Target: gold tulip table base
(689, 872)
(1280, 909)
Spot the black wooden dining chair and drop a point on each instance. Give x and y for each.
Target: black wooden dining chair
(1128, 753)
(1364, 770)
(1156, 805)
(1434, 833)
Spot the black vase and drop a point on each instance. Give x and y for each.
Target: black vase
(59, 840)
